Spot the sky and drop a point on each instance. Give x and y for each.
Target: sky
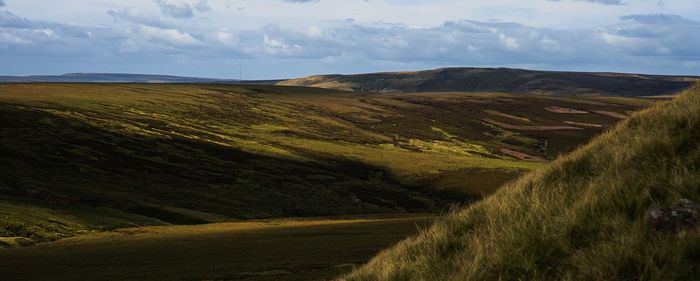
(269, 39)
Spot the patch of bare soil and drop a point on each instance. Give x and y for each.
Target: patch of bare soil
(506, 115)
(522, 156)
(591, 125)
(611, 114)
(529, 128)
(564, 110)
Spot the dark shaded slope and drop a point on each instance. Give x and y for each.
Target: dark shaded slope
(59, 163)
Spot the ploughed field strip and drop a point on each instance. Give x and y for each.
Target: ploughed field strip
(89, 157)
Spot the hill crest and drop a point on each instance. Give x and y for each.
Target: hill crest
(504, 80)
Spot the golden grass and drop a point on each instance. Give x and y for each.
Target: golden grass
(412, 166)
(319, 81)
(149, 232)
(125, 107)
(417, 143)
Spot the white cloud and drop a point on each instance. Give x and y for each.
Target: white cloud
(8, 38)
(509, 42)
(278, 47)
(202, 6)
(226, 38)
(169, 35)
(320, 37)
(138, 17)
(314, 32)
(182, 10)
(549, 43)
(605, 2)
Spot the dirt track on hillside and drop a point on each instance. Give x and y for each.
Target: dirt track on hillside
(591, 125)
(529, 128)
(522, 155)
(564, 110)
(506, 115)
(611, 114)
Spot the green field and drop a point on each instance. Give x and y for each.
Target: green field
(82, 158)
(310, 249)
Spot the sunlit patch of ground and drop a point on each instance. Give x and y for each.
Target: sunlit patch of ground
(563, 110)
(611, 114)
(584, 124)
(522, 156)
(497, 113)
(529, 128)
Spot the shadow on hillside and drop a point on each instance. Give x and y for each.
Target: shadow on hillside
(64, 162)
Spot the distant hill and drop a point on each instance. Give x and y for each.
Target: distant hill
(504, 80)
(123, 78)
(623, 207)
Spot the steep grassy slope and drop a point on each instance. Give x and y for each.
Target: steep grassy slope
(502, 80)
(84, 157)
(584, 217)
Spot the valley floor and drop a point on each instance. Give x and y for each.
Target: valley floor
(285, 249)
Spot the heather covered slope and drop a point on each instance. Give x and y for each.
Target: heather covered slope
(87, 157)
(583, 217)
(502, 80)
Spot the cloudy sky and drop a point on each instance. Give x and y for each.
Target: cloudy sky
(290, 38)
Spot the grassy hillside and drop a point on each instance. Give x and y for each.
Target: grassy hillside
(584, 217)
(90, 157)
(502, 80)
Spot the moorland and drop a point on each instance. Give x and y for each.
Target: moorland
(593, 214)
(504, 80)
(258, 181)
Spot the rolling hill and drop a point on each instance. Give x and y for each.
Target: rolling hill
(122, 78)
(90, 157)
(623, 207)
(108, 78)
(502, 80)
